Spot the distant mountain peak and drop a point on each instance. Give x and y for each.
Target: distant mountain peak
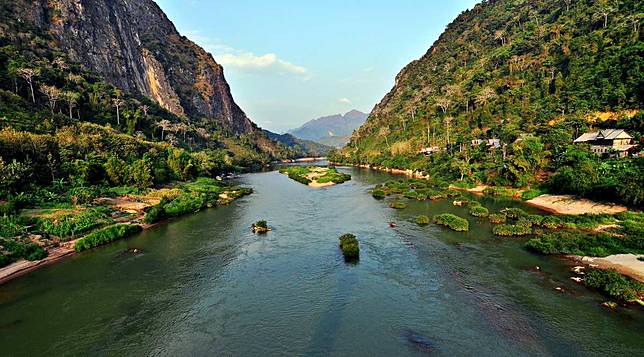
(332, 130)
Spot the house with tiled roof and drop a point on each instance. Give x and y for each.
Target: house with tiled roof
(609, 142)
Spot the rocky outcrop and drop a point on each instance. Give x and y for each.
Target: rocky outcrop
(137, 48)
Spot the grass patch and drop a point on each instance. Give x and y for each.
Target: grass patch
(498, 218)
(378, 194)
(422, 220)
(452, 221)
(398, 205)
(514, 213)
(106, 235)
(586, 244)
(613, 284)
(479, 211)
(509, 230)
(317, 174)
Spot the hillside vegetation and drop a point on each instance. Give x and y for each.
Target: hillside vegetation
(533, 74)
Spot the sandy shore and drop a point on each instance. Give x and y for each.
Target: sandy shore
(566, 204)
(625, 264)
(316, 184)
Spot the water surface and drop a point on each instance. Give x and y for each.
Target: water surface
(205, 285)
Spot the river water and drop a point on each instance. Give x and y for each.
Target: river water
(204, 285)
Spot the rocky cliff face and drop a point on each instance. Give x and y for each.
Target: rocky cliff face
(137, 48)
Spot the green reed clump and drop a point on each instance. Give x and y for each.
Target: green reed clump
(479, 211)
(509, 230)
(106, 235)
(422, 220)
(452, 221)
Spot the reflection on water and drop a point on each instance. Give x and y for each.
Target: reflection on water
(205, 285)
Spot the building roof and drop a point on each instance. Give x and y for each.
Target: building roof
(587, 137)
(611, 134)
(607, 134)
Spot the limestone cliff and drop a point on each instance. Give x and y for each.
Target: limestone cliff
(137, 48)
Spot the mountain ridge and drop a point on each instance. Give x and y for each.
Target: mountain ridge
(331, 130)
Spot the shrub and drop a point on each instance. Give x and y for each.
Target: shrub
(350, 247)
(613, 284)
(552, 222)
(33, 251)
(501, 191)
(514, 213)
(452, 221)
(422, 220)
(11, 250)
(378, 194)
(479, 211)
(156, 213)
(105, 236)
(185, 203)
(398, 205)
(260, 227)
(12, 226)
(332, 175)
(411, 194)
(498, 218)
(531, 193)
(535, 219)
(508, 230)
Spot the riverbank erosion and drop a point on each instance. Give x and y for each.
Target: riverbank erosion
(63, 230)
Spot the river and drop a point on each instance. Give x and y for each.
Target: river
(205, 285)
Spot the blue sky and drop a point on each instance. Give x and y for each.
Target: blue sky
(290, 61)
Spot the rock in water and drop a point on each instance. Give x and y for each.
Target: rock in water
(418, 341)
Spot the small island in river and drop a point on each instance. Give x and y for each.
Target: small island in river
(316, 176)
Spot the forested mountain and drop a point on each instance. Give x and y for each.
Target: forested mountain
(84, 83)
(333, 130)
(538, 71)
(301, 147)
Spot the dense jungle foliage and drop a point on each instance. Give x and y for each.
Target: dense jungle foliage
(532, 74)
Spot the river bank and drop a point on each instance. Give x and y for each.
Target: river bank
(127, 209)
(553, 204)
(625, 264)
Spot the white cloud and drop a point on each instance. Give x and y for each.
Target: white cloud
(251, 61)
(245, 60)
(344, 101)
